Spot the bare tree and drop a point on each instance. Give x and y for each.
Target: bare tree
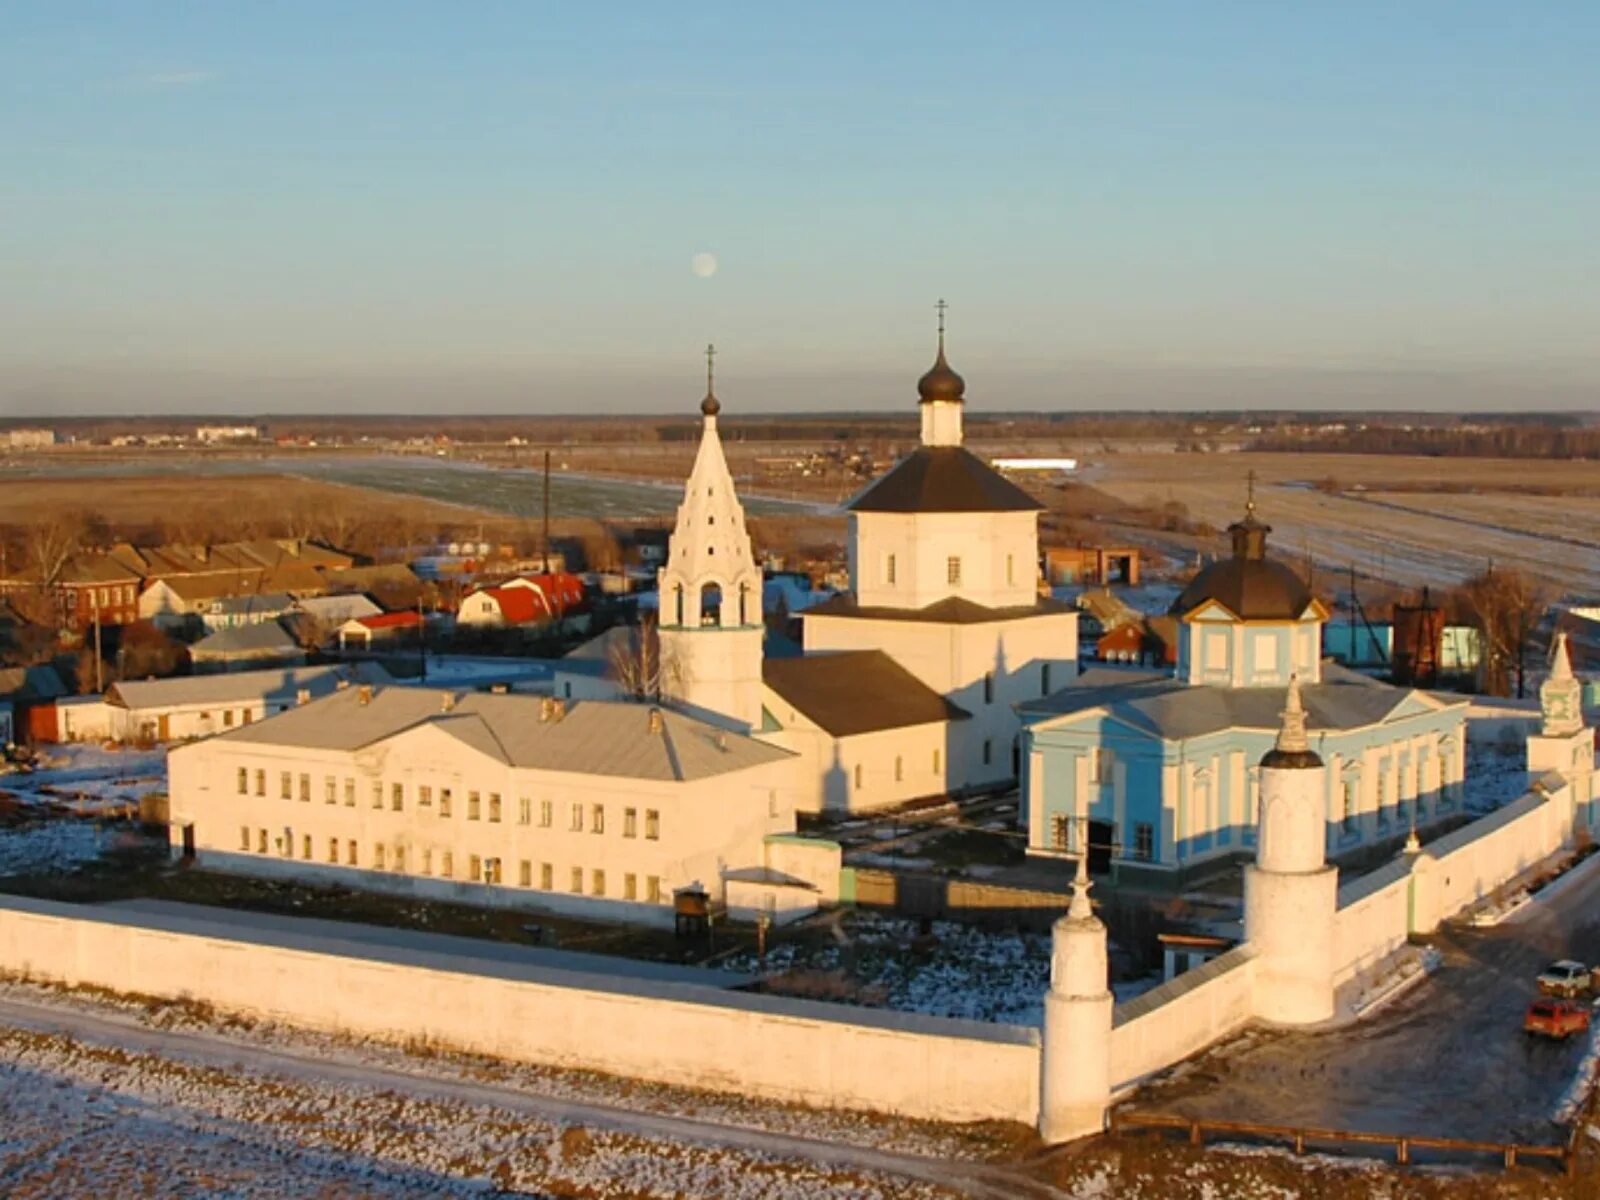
(51, 543)
(639, 665)
(1506, 606)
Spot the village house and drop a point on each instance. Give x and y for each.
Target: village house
(527, 600)
(247, 647)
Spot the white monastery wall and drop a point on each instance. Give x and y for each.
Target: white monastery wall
(1182, 1017)
(863, 772)
(779, 1049)
(1373, 920)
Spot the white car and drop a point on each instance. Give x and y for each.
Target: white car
(1565, 978)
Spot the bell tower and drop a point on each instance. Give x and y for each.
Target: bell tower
(1563, 742)
(710, 591)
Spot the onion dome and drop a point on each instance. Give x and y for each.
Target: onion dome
(941, 385)
(1250, 585)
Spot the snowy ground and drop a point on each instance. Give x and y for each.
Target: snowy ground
(961, 971)
(89, 777)
(1495, 775)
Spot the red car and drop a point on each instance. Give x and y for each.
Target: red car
(1557, 1019)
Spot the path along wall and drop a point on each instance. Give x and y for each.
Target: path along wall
(684, 1034)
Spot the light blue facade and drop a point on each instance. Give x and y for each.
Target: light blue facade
(1167, 803)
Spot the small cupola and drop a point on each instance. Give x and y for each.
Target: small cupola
(941, 393)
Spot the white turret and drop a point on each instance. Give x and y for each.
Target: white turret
(710, 591)
(1075, 1073)
(1290, 893)
(1563, 743)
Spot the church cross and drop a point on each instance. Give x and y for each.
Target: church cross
(939, 308)
(1250, 492)
(711, 354)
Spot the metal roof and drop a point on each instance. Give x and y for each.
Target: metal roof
(584, 737)
(1174, 710)
(943, 479)
(858, 691)
(261, 638)
(952, 610)
(273, 683)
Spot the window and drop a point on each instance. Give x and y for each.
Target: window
(399, 858)
(952, 570)
(377, 856)
(350, 852)
(244, 781)
(1347, 819)
(491, 870)
(525, 873)
(305, 847)
(988, 751)
(577, 818)
(444, 802)
(597, 882)
(473, 806)
(630, 886)
(244, 837)
(652, 889)
(397, 797)
(227, 718)
(547, 876)
(333, 851)
(494, 807)
(988, 687)
(447, 865)
(261, 841)
(1060, 832)
(424, 796)
(1102, 765)
(349, 793)
(1382, 786)
(285, 785)
(597, 819)
(856, 777)
(524, 811)
(330, 789)
(1011, 570)
(305, 788)
(1044, 679)
(427, 862)
(474, 868)
(899, 768)
(377, 793)
(652, 825)
(888, 570)
(261, 783)
(546, 814)
(577, 880)
(1144, 841)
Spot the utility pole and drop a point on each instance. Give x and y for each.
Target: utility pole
(544, 541)
(422, 638)
(99, 683)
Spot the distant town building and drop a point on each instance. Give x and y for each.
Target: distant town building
(214, 434)
(1093, 565)
(30, 439)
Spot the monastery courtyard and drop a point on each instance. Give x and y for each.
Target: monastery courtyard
(1447, 1058)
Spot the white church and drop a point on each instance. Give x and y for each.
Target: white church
(601, 801)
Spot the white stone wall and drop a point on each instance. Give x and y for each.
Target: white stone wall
(777, 1049)
(1182, 1017)
(863, 772)
(998, 555)
(538, 826)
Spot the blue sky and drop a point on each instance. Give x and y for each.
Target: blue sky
(389, 206)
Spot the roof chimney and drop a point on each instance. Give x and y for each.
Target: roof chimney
(657, 723)
(552, 708)
(302, 696)
(365, 694)
(447, 701)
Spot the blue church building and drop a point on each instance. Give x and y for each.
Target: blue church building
(1155, 773)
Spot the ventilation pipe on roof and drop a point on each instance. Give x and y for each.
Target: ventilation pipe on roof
(657, 723)
(551, 708)
(302, 696)
(722, 741)
(365, 694)
(447, 702)
(499, 689)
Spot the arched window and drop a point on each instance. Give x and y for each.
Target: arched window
(678, 596)
(711, 605)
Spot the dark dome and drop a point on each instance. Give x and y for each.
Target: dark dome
(711, 406)
(1252, 589)
(941, 383)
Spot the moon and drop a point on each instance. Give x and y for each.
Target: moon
(704, 264)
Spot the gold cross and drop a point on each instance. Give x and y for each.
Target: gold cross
(711, 354)
(941, 306)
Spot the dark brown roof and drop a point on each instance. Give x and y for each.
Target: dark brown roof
(943, 479)
(857, 691)
(1250, 585)
(952, 610)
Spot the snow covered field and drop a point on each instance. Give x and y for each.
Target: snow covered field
(89, 777)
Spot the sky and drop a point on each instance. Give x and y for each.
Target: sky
(391, 207)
